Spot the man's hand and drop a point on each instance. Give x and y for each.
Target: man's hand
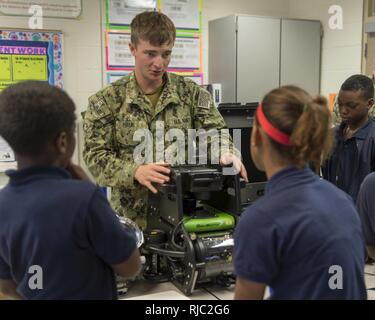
(153, 172)
(229, 158)
(77, 172)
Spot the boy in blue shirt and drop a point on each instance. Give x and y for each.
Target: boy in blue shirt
(353, 156)
(59, 238)
(303, 237)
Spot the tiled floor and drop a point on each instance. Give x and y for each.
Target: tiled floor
(142, 290)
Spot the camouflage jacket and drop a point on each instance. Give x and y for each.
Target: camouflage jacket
(113, 116)
(336, 118)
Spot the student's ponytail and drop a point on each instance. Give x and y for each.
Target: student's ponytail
(306, 121)
(311, 138)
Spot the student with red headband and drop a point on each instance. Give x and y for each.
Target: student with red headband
(303, 238)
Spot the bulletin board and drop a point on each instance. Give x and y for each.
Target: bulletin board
(185, 14)
(112, 77)
(28, 55)
(68, 9)
(120, 13)
(186, 57)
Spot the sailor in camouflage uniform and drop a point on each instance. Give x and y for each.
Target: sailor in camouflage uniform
(142, 100)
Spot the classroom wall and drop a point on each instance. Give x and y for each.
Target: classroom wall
(82, 49)
(213, 9)
(81, 53)
(83, 69)
(341, 49)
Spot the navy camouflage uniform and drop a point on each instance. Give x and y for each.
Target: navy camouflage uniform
(116, 112)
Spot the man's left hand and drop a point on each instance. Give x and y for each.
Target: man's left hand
(229, 158)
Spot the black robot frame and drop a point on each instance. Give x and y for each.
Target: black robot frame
(186, 241)
(191, 257)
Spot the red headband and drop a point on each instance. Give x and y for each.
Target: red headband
(270, 130)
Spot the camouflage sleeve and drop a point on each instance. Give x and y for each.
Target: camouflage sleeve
(100, 151)
(372, 113)
(207, 117)
(336, 119)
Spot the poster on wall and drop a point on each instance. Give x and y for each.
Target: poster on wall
(118, 53)
(185, 14)
(28, 55)
(112, 77)
(197, 78)
(121, 12)
(50, 8)
(186, 54)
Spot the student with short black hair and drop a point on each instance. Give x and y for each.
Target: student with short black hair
(353, 157)
(303, 238)
(52, 221)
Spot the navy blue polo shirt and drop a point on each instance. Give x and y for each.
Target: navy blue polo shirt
(64, 226)
(349, 153)
(294, 237)
(352, 159)
(366, 208)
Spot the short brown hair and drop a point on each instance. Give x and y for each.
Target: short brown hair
(152, 26)
(305, 119)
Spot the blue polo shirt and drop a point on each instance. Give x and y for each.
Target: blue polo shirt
(64, 226)
(366, 208)
(294, 237)
(352, 159)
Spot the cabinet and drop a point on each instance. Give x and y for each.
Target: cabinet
(251, 55)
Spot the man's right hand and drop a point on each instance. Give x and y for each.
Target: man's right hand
(153, 172)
